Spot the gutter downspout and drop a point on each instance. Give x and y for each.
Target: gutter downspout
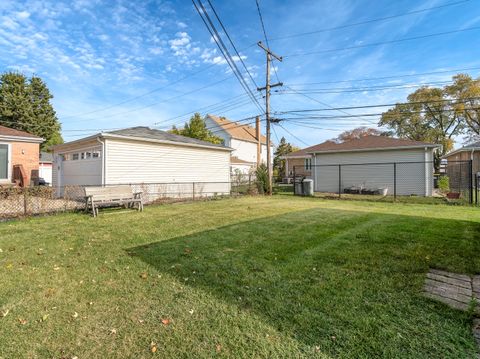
(428, 192)
(103, 159)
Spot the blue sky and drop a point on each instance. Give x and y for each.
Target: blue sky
(113, 64)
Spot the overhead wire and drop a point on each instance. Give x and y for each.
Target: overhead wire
(223, 49)
(385, 18)
(382, 42)
(387, 77)
(233, 44)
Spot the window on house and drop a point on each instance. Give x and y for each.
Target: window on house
(96, 154)
(3, 161)
(75, 156)
(88, 155)
(308, 164)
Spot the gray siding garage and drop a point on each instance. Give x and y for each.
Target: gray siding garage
(373, 163)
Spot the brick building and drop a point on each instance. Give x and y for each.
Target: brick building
(19, 156)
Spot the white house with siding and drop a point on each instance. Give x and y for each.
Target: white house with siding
(372, 162)
(248, 144)
(142, 155)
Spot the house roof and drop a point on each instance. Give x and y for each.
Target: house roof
(46, 157)
(238, 161)
(142, 133)
(236, 130)
(467, 148)
(367, 143)
(11, 132)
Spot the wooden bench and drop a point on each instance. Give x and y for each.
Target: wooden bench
(121, 195)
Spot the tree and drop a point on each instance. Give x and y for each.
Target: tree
(196, 128)
(430, 115)
(25, 105)
(283, 149)
(466, 92)
(360, 132)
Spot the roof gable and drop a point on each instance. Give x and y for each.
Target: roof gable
(236, 130)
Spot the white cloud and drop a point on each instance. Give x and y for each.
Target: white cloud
(183, 39)
(181, 25)
(9, 23)
(22, 15)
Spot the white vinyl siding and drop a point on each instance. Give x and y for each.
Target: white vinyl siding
(412, 178)
(141, 162)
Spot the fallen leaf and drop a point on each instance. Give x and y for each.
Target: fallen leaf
(22, 321)
(218, 347)
(113, 331)
(4, 313)
(75, 315)
(165, 321)
(153, 347)
(191, 311)
(317, 348)
(56, 268)
(333, 337)
(44, 317)
(144, 275)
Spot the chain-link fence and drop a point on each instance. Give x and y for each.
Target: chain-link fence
(16, 201)
(391, 181)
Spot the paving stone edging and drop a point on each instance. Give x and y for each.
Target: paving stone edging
(457, 291)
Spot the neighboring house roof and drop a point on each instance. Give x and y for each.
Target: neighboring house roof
(238, 161)
(13, 134)
(46, 157)
(238, 131)
(141, 133)
(475, 146)
(367, 143)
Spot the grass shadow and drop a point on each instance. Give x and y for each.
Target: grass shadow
(348, 282)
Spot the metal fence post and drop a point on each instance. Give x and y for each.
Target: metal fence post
(294, 186)
(25, 201)
(395, 181)
(339, 181)
(471, 181)
(193, 191)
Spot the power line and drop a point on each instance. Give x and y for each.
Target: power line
(291, 134)
(320, 102)
(362, 89)
(387, 77)
(156, 102)
(141, 95)
(384, 42)
(379, 105)
(265, 35)
(233, 45)
(223, 49)
(369, 21)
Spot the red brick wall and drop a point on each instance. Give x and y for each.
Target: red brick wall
(27, 155)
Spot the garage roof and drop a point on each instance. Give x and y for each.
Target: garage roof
(367, 143)
(143, 133)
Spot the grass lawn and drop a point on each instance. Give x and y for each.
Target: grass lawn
(241, 278)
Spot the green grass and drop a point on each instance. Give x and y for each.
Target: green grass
(281, 277)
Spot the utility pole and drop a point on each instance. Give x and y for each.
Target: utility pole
(267, 88)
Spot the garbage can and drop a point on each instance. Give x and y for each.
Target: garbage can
(298, 188)
(308, 187)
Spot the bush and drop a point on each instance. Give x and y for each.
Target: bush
(261, 174)
(444, 184)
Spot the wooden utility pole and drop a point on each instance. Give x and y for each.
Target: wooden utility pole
(267, 109)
